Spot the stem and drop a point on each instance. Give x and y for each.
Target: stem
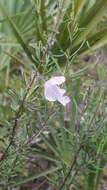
(71, 168)
(17, 116)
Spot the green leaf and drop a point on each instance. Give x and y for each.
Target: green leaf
(17, 34)
(101, 72)
(35, 176)
(74, 113)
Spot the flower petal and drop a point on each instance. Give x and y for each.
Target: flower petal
(53, 92)
(57, 80)
(62, 91)
(49, 92)
(64, 100)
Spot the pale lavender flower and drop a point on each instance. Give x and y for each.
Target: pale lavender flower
(53, 92)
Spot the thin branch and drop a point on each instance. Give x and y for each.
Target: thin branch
(17, 116)
(71, 168)
(52, 37)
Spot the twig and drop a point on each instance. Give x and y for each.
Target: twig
(52, 37)
(44, 129)
(41, 184)
(75, 174)
(17, 116)
(71, 168)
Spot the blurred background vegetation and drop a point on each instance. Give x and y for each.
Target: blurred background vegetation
(46, 146)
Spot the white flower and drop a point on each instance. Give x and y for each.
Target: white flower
(54, 93)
